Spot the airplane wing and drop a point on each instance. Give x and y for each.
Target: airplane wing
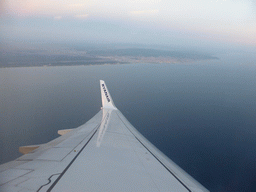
(105, 154)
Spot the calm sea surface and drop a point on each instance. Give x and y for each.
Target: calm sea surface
(202, 114)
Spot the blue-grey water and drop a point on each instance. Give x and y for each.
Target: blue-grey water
(200, 114)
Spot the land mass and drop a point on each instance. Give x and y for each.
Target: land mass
(73, 56)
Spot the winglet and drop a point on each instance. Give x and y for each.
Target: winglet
(107, 101)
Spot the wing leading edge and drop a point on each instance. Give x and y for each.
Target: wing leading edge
(105, 154)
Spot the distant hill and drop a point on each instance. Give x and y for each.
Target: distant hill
(69, 57)
(139, 52)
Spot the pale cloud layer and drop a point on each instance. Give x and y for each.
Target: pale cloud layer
(46, 7)
(170, 10)
(81, 16)
(69, 7)
(145, 12)
(220, 20)
(58, 17)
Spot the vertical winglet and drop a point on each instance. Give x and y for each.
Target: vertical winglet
(107, 102)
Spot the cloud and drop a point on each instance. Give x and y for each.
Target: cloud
(231, 18)
(77, 5)
(145, 12)
(81, 16)
(146, 1)
(47, 7)
(2, 7)
(58, 17)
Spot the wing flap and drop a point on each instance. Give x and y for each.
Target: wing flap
(28, 149)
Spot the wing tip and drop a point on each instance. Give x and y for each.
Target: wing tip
(106, 98)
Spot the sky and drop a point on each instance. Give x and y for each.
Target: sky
(183, 22)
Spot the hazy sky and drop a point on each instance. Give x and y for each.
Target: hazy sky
(192, 22)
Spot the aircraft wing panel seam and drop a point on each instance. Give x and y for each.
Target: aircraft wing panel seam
(164, 165)
(64, 171)
(49, 181)
(21, 175)
(155, 156)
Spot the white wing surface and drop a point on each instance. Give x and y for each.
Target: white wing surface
(105, 154)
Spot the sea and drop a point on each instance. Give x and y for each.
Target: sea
(201, 114)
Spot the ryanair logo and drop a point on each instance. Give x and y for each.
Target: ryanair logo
(105, 91)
